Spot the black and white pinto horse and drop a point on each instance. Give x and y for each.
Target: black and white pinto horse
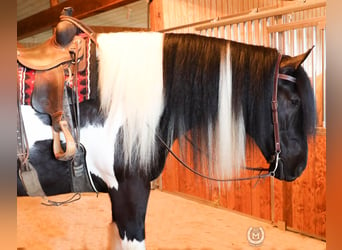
(154, 86)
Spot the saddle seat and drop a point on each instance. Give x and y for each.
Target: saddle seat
(50, 54)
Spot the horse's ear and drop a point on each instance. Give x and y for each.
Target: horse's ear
(296, 61)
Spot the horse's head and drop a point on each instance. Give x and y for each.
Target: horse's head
(296, 116)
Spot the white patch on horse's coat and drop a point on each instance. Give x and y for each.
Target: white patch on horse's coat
(230, 131)
(116, 243)
(131, 82)
(35, 129)
(132, 244)
(99, 143)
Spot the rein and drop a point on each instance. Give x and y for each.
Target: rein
(48, 202)
(275, 157)
(260, 176)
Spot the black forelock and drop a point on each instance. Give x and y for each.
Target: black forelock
(306, 94)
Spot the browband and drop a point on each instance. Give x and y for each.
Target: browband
(287, 77)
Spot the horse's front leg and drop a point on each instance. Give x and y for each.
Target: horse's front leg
(129, 203)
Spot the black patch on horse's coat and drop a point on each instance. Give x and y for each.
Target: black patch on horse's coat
(90, 113)
(155, 167)
(54, 175)
(45, 118)
(129, 204)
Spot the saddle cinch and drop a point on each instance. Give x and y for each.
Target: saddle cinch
(63, 49)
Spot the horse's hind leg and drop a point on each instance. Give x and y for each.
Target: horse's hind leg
(129, 205)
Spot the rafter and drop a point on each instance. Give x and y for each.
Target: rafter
(107, 29)
(49, 18)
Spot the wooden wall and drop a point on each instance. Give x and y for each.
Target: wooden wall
(170, 14)
(299, 205)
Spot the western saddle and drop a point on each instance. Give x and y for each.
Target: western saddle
(65, 50)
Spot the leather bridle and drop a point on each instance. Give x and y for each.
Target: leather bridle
(277, 149)
(276, 78)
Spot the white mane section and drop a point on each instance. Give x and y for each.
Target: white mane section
(131, 87)
(230, 130)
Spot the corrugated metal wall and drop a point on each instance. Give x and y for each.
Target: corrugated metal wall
(292, 30)
(177, 13)
(292, 27)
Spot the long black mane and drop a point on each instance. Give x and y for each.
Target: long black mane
(191, 87)
(253, 74)
(191, 81)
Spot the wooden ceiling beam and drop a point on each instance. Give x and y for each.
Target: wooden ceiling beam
(49, 18)
(108, 29)
(54, 2)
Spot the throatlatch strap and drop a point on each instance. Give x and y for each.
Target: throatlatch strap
(275, 107)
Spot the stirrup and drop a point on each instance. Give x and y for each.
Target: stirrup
(70, 149)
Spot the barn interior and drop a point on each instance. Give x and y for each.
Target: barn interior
(291, 26)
